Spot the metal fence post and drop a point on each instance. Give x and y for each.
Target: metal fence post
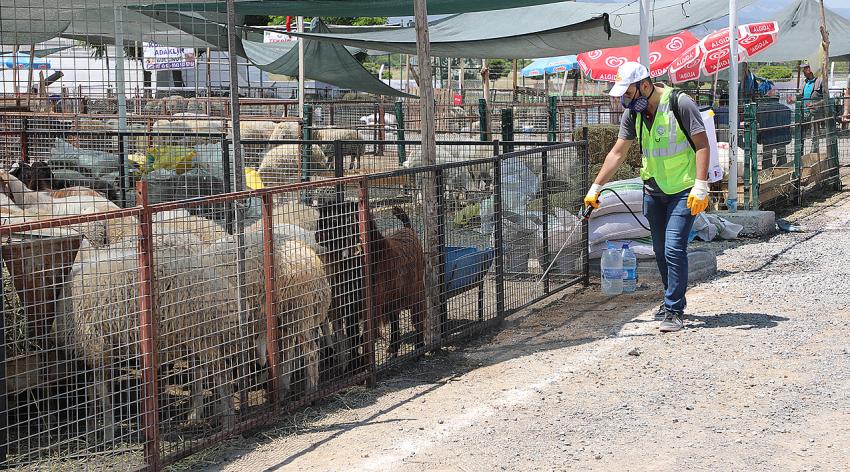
(751, 113)
(122, 171)
(272, 329)
(544, 161)
(148, 330)
(441, 254)
(25, 141)
(370, 332)
(585, 186)
(798, 146)
(553, 119)
(483, 121)
(498, 235)
(228, 186)
(4, 422)
(399, 119)
(306, 148)
(508, 129)
(832, 143)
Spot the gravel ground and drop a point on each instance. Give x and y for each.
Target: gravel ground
(758, 380)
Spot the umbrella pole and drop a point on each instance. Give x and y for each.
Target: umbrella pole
(714, 91)
(732, 192)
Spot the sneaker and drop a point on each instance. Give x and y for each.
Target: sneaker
(661, 313)
(672, 322)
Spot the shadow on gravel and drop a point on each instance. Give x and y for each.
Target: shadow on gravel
(734, 320)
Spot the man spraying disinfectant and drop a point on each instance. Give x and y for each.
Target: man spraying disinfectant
(675, 147)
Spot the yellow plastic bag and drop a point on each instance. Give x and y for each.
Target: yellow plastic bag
(253, 180)
(176, 158)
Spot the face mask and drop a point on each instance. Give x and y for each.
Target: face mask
(639, 103)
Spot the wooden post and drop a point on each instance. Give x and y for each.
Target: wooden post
(429, 156)
(515, 77)
(824, 34)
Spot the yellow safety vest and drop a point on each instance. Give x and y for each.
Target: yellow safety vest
(667, 155)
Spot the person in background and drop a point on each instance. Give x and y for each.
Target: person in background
(813, 105)
(674, 172)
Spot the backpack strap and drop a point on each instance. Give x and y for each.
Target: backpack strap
(674, 106)
(638, 129)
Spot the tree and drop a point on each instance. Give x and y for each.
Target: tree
(499, 68)
(335, 20)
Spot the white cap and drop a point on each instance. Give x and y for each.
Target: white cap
(628, 74)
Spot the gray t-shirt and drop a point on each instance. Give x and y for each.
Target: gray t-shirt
(691, 118)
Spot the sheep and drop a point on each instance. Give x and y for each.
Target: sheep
(353, 149)
(286, 130)
(42, 205)
(302, 293)
(282, 164)
(97, 318)
(260, 132)
(457, 179)
(180, 221)
(397, 265)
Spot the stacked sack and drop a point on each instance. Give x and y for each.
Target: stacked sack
(612, 221)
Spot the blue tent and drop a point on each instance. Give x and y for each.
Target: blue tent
(22, 61)
(549, 66)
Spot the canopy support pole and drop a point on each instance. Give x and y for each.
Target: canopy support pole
(301, 68)
(121, 95)
(644, 33)
(732, 195)
(429, 192)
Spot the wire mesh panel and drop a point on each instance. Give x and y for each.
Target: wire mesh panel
(71, 345)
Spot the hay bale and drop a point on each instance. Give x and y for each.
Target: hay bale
(601, 139)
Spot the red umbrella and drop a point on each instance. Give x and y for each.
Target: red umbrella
(711, 54)
(602, 64)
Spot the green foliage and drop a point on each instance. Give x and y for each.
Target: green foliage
(499, 68)
(775, 72)
(374, 67)
(334, 20)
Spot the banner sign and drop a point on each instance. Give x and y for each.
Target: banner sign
(168, 58)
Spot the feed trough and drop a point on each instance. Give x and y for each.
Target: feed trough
(465, 269)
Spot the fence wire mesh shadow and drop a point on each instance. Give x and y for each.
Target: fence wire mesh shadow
(135, 337)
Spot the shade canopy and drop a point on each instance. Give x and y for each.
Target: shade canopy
(799, 34)
(329, 63)
(541, 31)
(549, 65)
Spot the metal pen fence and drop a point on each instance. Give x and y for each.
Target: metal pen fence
(134, 337)
(790, 154)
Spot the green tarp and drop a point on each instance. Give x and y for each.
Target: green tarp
(542, 31)
(349, 8)
(799, 35)
(329, 63)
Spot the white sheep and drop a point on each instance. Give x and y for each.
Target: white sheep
(259, 132)
(457, 179)
(286, 130)
(282, 164)
(352, 149)
(97, 318)
(41, 205)
(181, 221)
(302, 292)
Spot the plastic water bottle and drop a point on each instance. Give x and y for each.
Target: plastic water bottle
(612, 270)
(629, 270)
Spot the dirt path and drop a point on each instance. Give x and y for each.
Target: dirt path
(759, 380)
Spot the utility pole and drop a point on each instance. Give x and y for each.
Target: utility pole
(429, 158)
